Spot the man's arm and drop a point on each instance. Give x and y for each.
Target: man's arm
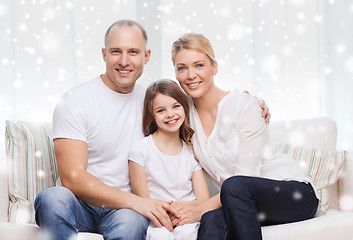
(72, 158)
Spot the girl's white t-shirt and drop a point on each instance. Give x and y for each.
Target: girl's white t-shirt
(168, 177)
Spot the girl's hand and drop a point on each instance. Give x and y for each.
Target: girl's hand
(157, 211)
(190, 212)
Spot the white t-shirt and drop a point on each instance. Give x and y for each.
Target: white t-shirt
(109, 122)
(168, 177)
(239, 143)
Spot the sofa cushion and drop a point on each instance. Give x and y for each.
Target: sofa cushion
(323, 167)
(333, 225)
(16, 231)
(31, 166)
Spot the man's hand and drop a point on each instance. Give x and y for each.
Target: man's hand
(265, 111)
(157, 211)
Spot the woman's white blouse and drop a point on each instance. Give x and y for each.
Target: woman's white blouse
(239, 143)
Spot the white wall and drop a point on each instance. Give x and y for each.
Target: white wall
(296, 54)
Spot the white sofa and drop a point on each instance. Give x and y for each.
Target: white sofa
(337, 223)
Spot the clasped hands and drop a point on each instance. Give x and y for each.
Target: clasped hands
(180, 213)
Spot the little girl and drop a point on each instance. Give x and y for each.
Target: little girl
(163, 165)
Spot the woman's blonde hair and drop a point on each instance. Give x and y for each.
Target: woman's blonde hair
(169, 88)
(193, 41)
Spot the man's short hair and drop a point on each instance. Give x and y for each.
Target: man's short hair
(126, 22)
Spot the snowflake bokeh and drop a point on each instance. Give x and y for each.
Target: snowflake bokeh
(287, 52)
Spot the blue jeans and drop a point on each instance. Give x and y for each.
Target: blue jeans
(250, 202)
(61, 216)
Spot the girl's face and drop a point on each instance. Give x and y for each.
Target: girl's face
(168, 113)
(194, 71)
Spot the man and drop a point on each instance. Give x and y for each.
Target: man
(94, 126)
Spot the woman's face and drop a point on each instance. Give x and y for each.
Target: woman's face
(194, 71)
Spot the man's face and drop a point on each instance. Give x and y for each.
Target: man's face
(125, 57)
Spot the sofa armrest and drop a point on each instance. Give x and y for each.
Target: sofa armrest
(345, 185)
(4, 199)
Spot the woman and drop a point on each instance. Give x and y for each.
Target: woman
(258, 186)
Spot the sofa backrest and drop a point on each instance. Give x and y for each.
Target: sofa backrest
(318, 133)
(314, 132)
(30, 145)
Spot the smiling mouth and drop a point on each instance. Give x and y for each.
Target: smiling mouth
(123, 71)
(193, 85)
(172, 121)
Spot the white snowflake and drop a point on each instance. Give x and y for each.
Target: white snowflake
(3, 10)
(79, 53)
(69, 4)
(297, 2)
(38, 154)
(318, 18)
(30, 51)
(225, 11)
(349, 64)
(300, 29)
(49, 97)
(301, 16)
(46, 234)
(49, 13)
(251, 61)
(5, 107)
(5, 61)
(261, 216)
(270, 64)
(297, 195)
(327, 70)
(236, 70)
(40, 173)
(39, 61)
(23, 27)
(46, 84)
(287, 50)
(18, 83)
(50, 41)
(340, 48)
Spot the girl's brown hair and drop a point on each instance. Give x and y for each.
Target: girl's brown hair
(169, 88)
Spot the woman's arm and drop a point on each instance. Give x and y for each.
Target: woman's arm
(138, 180)
(252, 140)
(265, 110)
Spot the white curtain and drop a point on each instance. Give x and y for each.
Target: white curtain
(296, 54)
